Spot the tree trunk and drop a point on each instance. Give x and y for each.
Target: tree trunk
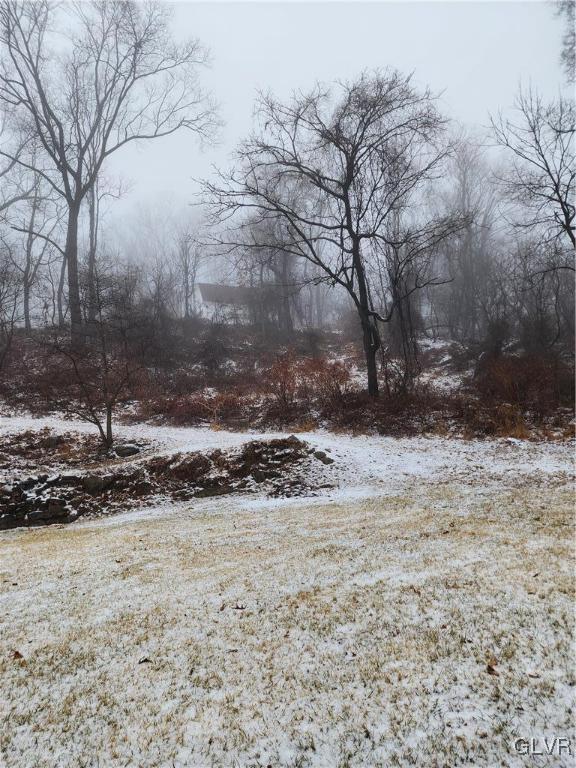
(404, 337)
(71, 253)
(186, 293)
(109, 436)
(60, 293)
(371, 345)
(26, 300)
(93, 246)
(29, 269)
(370, 335)
(286, 322)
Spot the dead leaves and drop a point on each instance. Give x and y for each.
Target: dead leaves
(491, 663)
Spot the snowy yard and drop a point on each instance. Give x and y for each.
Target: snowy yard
(421, 613)
(287, 384)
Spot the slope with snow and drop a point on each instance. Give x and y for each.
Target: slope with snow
(420, 613)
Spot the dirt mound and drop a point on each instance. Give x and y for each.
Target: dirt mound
(273, 466)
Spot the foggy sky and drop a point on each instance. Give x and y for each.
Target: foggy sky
(475, 53)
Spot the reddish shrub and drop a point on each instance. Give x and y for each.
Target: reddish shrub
(326, 382)
(281, 379)
(536, 383)
(200, 408)
(298, 384)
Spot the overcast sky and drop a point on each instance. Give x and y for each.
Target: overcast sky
(475, 53)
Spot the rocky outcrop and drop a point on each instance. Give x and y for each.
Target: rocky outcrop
(260, 465)
(35, 501)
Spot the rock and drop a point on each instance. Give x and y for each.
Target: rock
(323, 457)
(28, 483)
(96, 483)
(55, 511)
(126, 450)
(60, 498)
(69, 480)
(57, 507)
(11, 520)
(264, 454)
(259, 475)
(184, 494)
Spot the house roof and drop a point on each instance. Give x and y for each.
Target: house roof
(216, 293)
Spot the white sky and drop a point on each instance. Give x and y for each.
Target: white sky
(476, 53)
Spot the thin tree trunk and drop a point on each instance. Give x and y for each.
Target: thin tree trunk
(26, 281)
(71, 252)
(60, 293)
(371, 345)
(287, 323)
(93, 246)
(28, 269)
(186, 292)
(109, 436)
(26, 300)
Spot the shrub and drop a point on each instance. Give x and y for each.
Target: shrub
(282, 381)
(326, 382)
(298, 385)
(536, 383)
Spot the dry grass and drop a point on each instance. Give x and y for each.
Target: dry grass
(352, 634)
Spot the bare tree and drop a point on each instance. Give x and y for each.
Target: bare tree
(187, 258)
(89, 379)
(468, 256)
(100, 190)
(38, 218)
(94, 200)
(542, 171)
(119, 79)
(332, 172)
(270, 267)
(406, 265)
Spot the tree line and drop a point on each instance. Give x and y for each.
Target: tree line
(359, 190)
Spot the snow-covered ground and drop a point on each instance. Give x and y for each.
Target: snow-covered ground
(364, 465)
(420, 613)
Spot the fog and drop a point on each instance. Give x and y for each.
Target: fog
(475, 54)
(411, 163)
(287, 289)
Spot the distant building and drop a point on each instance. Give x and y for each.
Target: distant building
(241, 303)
